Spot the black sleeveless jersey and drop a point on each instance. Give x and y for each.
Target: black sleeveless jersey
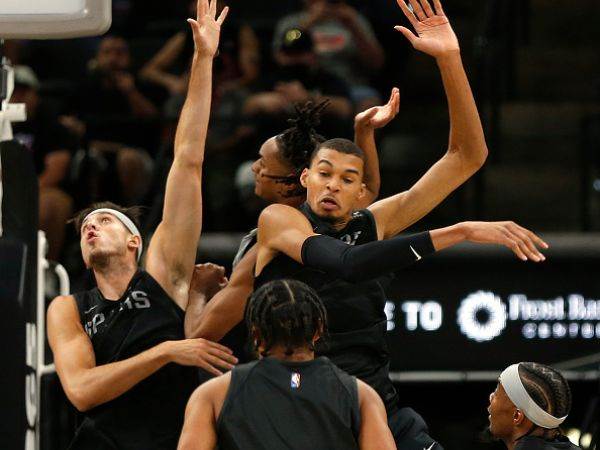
(274, 404)
(150, 415)
(538, 443)
(355, 311)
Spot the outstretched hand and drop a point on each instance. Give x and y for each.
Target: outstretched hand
(521, 241)
(379, 116)
(434, 36)
(206, 28)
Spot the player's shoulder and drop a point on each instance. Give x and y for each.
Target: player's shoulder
(277, 213)
(62, 304)
(212, 390)
(62, 310)
(366, 394)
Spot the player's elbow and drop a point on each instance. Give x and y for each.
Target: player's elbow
(79, 396)
(189, 156)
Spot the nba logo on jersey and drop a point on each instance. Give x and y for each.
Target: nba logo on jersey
(295, 380)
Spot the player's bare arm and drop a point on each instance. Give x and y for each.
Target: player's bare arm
(374, 431)
(172, 251)
(365, 124)
(201, 415)
(88, 385)
(226, 309)
(467, 150)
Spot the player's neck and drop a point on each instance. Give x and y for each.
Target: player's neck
(113, 279)
(299, 355)
(294, 202)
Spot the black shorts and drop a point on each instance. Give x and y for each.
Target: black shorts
(410, 431)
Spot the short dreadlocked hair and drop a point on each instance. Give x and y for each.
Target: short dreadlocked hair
(297, 143)
(547, 387)
(285, 312)
(134, 213)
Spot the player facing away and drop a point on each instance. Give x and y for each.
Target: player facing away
(529, 404)
(119, 348)
(288, 398)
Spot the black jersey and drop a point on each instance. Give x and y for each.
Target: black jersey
(150, 415)
(355, 311)
(538, 443)
(274, 404)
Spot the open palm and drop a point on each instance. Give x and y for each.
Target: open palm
(434, 35)
(380, 116)
(206, 28)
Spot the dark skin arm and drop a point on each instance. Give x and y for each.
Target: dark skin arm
(226, 309)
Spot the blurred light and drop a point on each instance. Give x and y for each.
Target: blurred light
(574, 434)
(586, 440)
(596, 185)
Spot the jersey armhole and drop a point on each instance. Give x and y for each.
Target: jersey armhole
(371, 218)
(350, 384)
(239, 375)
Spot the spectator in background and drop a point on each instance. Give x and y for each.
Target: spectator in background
(236, 66)
(300, 77)
(52, 146)
(118, 121)
(344, 43)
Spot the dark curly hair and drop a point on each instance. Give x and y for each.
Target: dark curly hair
(285, 312)
(297, 143)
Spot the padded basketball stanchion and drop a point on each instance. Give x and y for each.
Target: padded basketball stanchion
(42, 368)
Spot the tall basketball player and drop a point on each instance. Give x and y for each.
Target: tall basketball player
(119, 348)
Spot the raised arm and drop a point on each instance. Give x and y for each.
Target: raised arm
(172, 251)
(374, 433)
(365, 124)
(467, 150)
(87, 385)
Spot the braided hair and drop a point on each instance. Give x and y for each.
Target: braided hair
(548, 389)
(285, 312)
(297, 143)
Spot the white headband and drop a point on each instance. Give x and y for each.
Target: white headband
(512, 384)
(124, 220)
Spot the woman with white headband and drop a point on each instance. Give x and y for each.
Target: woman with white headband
(119, 348)
(529, 404)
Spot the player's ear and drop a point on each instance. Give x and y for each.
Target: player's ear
(363, 191)
(303, 177)
(133, 242)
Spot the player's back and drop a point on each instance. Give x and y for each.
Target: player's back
(294, 405)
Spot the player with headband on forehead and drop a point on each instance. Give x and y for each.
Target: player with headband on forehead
(529, 404)
(119, 348)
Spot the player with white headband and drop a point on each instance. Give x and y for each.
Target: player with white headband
(529, 404)
(119, 348)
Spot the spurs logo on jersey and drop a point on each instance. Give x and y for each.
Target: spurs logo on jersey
(135, 300)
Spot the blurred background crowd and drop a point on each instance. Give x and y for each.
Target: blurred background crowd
(102, 112)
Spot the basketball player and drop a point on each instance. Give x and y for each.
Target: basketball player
(287, 399)
(119, 349)
(529, 404)
(282, 159)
